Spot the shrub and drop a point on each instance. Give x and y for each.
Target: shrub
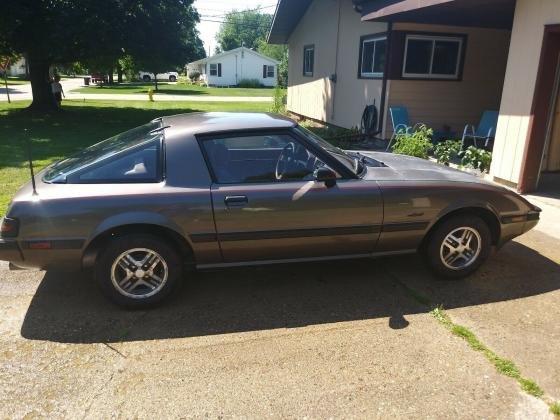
(447, 150)
(250, 83)
(476, 158)
(416, 144)
(278, 102)
(194, 76)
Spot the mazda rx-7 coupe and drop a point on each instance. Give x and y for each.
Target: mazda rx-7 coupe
(206, 190)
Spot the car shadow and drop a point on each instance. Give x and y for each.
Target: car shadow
(67, 307)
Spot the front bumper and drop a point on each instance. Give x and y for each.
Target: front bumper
(517, 224)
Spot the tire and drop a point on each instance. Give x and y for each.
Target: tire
(131, 285)
(146, 78)
(445, 252)
(172, 79)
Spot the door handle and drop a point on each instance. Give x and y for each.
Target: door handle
(236, 200)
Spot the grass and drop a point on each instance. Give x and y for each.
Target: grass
(504, 366)
(14, 81)
(176, 89)
(555, 409)
(79, 125)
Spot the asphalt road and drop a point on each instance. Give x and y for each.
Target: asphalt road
(341, 339)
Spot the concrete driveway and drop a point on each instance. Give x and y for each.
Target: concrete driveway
(352, 339)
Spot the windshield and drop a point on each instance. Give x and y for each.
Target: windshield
(343, 157)
(103, 150)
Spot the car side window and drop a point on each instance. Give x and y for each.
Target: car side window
(259, 158)
(140, 164)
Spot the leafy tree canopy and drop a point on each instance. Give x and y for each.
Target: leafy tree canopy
(64, 31)
(243, 28)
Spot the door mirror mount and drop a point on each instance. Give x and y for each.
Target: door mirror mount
(326, 175)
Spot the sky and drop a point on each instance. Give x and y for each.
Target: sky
(214, 10)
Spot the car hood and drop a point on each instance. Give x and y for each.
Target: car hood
(401, 167)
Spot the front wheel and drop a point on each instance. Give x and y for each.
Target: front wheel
(138, 270)
(172, 78)
(146, 78)
(458, 247)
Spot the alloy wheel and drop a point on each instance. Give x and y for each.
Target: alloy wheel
(460, 248)
(139, 273)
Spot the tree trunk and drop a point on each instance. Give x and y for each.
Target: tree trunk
(43, 99)
(155, 81)
(6, 84)
(119, 74)
(111, 81)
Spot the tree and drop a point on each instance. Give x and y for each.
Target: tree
(243, 28)
(62, 31)
(280, 54)
(7, 58)
(168, 38)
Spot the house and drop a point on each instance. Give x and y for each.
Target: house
(18, 68)
(445, 60)
(231, 67)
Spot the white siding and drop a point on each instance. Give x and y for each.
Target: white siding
(317, 97)
(239, 65)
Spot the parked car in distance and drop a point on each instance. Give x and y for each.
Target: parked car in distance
(99, 78)
(226, 189)
(170, 76)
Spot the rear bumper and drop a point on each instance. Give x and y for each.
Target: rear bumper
(10, 251)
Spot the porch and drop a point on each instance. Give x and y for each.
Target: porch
(506, 57)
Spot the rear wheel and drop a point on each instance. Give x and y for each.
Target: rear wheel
(172, 78)
(138, 270)
(146, 78)
(458, 247)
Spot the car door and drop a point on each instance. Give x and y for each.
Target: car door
(261, 217)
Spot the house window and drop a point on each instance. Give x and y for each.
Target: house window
(216, 69)
(268, 71)
(373, 53)
(308, 60)
(432, 57)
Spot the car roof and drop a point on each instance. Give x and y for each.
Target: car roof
(210, 122)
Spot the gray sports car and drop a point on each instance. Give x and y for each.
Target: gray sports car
(224, 189)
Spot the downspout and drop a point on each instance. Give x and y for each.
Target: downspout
(333, 77)
(385, 78)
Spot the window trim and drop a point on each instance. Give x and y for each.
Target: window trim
(305, 49)
(218, 69)
(268, 67)
(329, 160)
(372, 38)
(434, 37)
(74, 179)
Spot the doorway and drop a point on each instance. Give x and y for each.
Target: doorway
(541, 161)
(549, 177)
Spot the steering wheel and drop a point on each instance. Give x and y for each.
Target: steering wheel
(285, 160)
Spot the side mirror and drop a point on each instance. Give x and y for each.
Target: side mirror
(326, 175)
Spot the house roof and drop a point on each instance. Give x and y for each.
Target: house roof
(286, 17)
(481, 13)
(235, 50)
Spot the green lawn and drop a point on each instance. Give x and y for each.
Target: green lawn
(177, 89)
(14, 81)
(80, 124)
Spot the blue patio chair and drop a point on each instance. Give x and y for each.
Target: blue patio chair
(485, 131)
(401, 123)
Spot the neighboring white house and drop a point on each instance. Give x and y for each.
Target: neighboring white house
(231, 67)
(18, 68)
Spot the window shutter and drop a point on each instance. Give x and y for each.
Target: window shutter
(219, 69)
(264, 71)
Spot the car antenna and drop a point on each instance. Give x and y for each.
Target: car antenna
(30, 159)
